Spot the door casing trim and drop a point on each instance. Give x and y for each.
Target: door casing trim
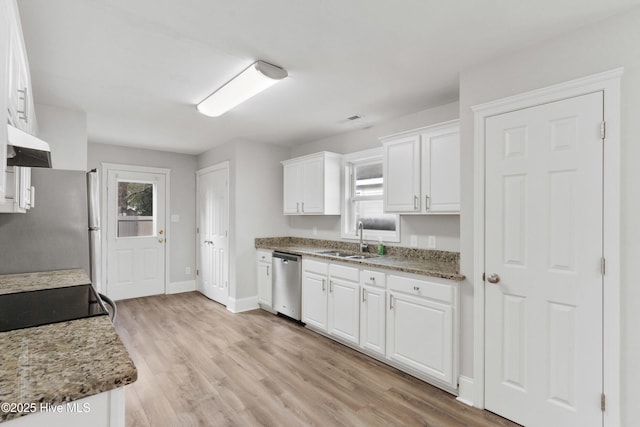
(609, 83)
(105, 168)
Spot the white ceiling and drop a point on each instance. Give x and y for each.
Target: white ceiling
(138, 67)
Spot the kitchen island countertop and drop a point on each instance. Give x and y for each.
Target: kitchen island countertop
(60, 362)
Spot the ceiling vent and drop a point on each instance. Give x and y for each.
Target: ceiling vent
(354, 117)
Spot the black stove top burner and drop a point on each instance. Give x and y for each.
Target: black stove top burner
(35, 308)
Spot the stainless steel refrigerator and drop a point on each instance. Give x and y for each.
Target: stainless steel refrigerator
(60, 232)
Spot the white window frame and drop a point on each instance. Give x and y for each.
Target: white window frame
(361, 157)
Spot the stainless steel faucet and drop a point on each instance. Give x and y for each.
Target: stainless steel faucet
(363, 245)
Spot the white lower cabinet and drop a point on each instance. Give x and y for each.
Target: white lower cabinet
(420, 327)
(314, 293)
(403, 319)
(372, 320)
(373, 311)
(265, 279)
(344, 303)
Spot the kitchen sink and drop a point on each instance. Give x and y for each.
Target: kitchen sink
(347, 255)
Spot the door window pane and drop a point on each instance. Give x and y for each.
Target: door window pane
(136, 209)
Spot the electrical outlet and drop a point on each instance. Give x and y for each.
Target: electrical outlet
(414, 240)
(187, 271)
(431, 242)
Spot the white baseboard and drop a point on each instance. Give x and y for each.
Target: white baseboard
(177, 287)
(465, 390)
(242, 304)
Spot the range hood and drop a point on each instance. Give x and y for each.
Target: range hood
(26, 150)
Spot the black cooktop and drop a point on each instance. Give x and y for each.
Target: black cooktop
(42, 307)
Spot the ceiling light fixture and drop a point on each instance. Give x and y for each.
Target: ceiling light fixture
(253, 80)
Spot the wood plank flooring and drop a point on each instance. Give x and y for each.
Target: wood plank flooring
(200, 365)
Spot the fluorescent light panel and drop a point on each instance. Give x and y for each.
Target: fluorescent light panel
(253, 80)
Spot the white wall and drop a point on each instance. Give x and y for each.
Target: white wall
(255, 205)
(182, 201)
(66, 132)
(446, 228)
(606, 45)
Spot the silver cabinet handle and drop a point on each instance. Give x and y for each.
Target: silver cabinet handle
(373, 279)
(493, 278)
(364, 295)
(302, 207)
(267, 270)
(390, 302)
(25, 105)
(324, 287)
(427, 203)
(298, 207)
(330, 286)
(416, 200)
(416, 288)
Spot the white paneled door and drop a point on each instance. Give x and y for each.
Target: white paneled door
(213, 234)
(135, 233)
(544, 234)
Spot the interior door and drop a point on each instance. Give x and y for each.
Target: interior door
(213, 234)
(543, 339)
(135, 234)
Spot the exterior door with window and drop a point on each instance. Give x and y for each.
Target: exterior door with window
(135, 234)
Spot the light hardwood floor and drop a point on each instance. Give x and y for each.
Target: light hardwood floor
(200, 365)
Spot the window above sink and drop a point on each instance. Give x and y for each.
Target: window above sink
(363, 198)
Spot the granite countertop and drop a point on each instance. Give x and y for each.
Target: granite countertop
(432, 263)
(60, 362)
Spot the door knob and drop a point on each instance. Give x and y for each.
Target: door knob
(161, 232)
(493, 278)
(160, 240)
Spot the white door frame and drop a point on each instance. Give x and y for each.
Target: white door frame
(609, 83)
(199, 172)
(104, 172)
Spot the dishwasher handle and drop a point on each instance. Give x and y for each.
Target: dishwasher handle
(285, 258)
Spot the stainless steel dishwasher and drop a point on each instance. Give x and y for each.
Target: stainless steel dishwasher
(287, 284)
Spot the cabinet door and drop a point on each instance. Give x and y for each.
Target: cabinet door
(314, 300)
(313, 186)
(265, 285)
(372, 319)
(402, 175)
(344, 310)
(420, 335)
(441, 172)
(5, 38)
(292, 188)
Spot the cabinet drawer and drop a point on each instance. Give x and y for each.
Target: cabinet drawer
(413, 286)
(338, 271)
(373, 278)
(264, 256)
(317, 267)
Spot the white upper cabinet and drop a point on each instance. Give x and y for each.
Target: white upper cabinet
(5, 39)
(401, 172)
(20, 107)
(422, 170)
(16, 108)
(312, 185)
